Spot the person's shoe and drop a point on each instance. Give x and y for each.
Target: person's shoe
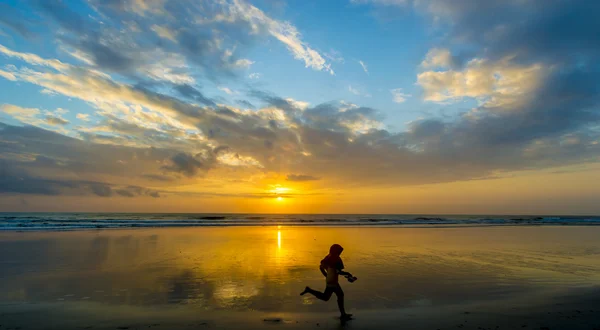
(346, 317)
(305, 291)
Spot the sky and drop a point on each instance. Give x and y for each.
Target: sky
(274, 106)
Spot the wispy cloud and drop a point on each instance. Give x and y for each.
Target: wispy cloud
(364, 66)
(398, 96)
(227, 90)
(164, 32)
(334, 56)
(353, 90)
(285, 32)
(7, 75)
(358, 92)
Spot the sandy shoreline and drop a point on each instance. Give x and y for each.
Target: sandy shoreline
(249, 278)
(578, 310)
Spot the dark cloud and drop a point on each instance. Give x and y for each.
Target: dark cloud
(66, 17)
(190, 92)
(14, 179)
(328, 116)
(124, 192)
(44, 161)
(275, 101)
(532, 30)
(246, 104)
(15, 20)
(101, 189)
(301, 177)
(184, 163)
(135, 52)
(107, 57)
(157, 177)
(553, 124)
(56, 153)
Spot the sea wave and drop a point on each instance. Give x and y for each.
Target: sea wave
(81, 221)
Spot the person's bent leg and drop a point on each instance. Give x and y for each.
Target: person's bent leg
(320, 295)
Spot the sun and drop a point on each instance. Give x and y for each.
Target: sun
(281, 190)
(278, 192)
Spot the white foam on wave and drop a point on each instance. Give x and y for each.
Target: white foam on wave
(77, 221)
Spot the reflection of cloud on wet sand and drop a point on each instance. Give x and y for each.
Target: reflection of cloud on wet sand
(264, 268)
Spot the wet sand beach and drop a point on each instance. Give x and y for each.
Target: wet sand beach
(249, 278)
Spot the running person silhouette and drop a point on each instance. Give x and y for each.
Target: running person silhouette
(331, 267)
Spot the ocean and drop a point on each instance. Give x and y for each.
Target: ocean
(75, 221)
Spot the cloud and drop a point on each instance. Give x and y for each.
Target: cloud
(34, 59)
(536, 107)
(383, 2)
(54, 156)
(170, 41)
(285, 32)
(184, 163)
(194, 94)
(254, 75)
(334, 55)
(227, 90)
(52, 120)
(24, 115)
(164, 32)
(175, 51)
(438, 58)
(18, 112)
(47, 92)
(398, 96)
(243, 63)
(139, 7)
(355, 91)
(123, 192)
(528, 69)
(301, 177)
(246, 104)
(83, 116)
(17, 181)
(364, 66)
(7, 75)
(14, 20)
(496, 83)
(158, 177)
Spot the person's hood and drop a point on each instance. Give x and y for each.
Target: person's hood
(336, 250)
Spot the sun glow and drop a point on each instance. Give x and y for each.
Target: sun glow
(280, 190)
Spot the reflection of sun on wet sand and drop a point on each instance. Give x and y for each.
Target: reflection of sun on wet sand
(238, 277)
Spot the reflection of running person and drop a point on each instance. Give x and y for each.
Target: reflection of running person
(331, 267)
